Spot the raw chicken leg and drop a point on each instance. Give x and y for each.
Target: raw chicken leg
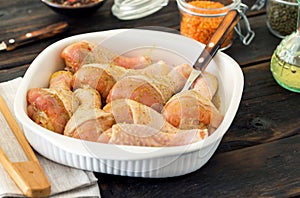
(138, 62)
(132, 112)
(143, 135)
(75, 54)
(94, 77)
(190, 110)
(207, 84)
(85, 52)
(143, 89)
(151, 90)
(140, 125)
(103, 76)
(52, 107)
(88, 121)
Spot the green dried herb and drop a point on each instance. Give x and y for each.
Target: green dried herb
(282, 17)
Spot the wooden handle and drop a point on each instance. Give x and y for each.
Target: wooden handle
(37, 35)
(16, 130)
(217, 39)
(29, 176)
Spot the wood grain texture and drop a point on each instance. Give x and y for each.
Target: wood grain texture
(260, 49)
(8, 74)
(267, 111)
(257, 171)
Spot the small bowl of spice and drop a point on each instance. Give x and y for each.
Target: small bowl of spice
(74, 7)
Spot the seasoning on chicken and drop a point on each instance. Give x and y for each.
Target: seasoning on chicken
(138, 62)
(88, 121)
(132, 112)
(75, 54)
(207, 84)
(93, 77)
(52, 107)
(140, 125)
(102, 77)
(190, 110)
(61, 79)
(143, 135)
(85, 52)
(151, 90)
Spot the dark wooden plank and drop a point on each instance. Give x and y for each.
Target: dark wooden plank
(260, 49)
(9, 74)
(262, 115)
(258, 171)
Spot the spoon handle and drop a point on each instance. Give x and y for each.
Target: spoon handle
(217, 39)
(28, 175)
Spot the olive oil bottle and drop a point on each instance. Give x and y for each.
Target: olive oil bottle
(285, 62)
(285, 74)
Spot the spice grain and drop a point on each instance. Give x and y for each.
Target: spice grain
(282, 16)
(202, 25)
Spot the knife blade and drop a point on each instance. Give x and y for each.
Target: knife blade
(213, 45)
(30, 37)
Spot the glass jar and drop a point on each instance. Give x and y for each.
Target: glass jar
(282, 17)
(285, 61)
(200, 19)
(134, 9)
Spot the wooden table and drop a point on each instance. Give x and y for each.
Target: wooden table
(260, 154)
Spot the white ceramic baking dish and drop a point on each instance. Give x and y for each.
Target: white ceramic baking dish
(131, 160)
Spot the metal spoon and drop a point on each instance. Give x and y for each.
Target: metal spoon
(213, 45)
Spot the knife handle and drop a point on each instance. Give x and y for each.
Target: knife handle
(37, 35)
(217, 39)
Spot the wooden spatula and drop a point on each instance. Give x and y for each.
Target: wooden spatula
(29, 175)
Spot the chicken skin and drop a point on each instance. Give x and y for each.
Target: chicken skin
(151, 90)
(88, 121)
(84, 52)
(190, 110)
(143, 135)
(52, 107)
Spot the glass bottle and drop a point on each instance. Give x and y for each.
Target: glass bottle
(285, 61)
